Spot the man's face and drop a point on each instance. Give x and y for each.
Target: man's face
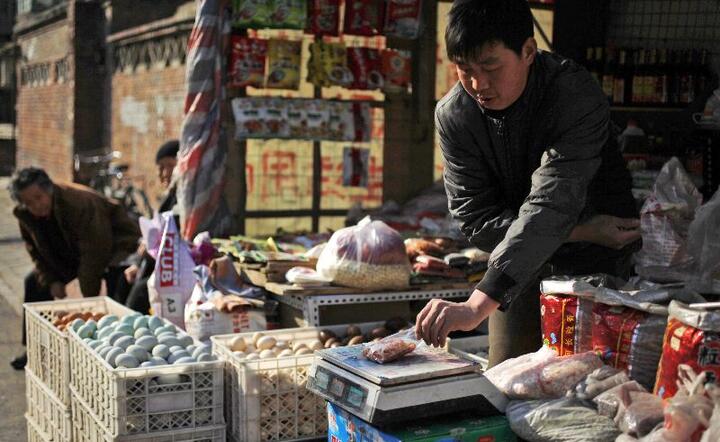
(166, 166)
(37, 200)
(497, 76)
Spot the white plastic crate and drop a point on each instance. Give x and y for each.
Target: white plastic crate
(49, 415)
(47, 347)
(87, 428)
(267, 399)
(134, 402)
(34, 434)
(468, 348)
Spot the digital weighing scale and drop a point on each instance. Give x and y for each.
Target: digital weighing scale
(425, 383)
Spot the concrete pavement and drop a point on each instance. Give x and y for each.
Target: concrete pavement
(14, 260)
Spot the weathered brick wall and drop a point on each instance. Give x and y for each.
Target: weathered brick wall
(147, 110)
(45, 102)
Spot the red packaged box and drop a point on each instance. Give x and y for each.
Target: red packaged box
(566, 323)
(364, 17)
(396, 70)
(323, 17)
(365, 67)
(247, 61)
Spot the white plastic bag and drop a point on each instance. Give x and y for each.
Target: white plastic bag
(664, 221)
(152, 231)
(305, 277)
(704, 246)
(370, 255)
(172, 282)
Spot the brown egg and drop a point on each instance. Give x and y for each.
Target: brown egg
(379, 332)
(330, 342)
(98, 316)
(353, 330)
(355, 340)
(335, 345)
(395, 324)
(324, 335)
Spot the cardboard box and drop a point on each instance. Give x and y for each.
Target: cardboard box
(344, 427)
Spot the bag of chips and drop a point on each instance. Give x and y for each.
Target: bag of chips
(328, 65)
(248, 113)
(403, 18)
(247, 62)
(251, 13)
(284, 64)
(323, 17)
(364, 17)
(365, 65)
(566, 323)
(274, 115)
(287, 14)
(396, 70)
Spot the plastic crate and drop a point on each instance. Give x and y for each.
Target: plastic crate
(47, 347)
(267, 399)
(133, 402)
(49, 415)
(34, 434)
(467, 348)
(87, 428)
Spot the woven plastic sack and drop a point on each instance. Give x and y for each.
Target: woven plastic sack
(664, 221)
(559, 420)
(370, 255)
(704, 247)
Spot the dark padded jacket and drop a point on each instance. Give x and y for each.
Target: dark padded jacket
(520, 180)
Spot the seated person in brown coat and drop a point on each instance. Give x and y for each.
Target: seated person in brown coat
(70, 231)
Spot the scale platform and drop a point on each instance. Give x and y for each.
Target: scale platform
(426, 383)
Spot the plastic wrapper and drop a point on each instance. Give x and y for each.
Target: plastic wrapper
(542, 374)
(598, 382)
(365, 65)
(609, 402)
(692, 338)
(566, 323)
(712, 433)
(370, 255)
(283, 64)
(152, 231)
(641, 415)
(559, 420)
(288, 14)
(364, 17)
(251, 13)
(328, 64)
(172, 281)
(305, 277)
(664, 220)
(402, 18)
(248, 114)
(419, 246)
(704, 246)
(396, 70)
(323, 17)
(392, 347)
(247, 61)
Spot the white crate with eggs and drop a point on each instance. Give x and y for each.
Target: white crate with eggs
(48, 414)
(265, 381)
(47, 346)
(138, 377)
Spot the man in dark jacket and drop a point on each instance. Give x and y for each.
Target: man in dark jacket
(70, 231)
(531, 172)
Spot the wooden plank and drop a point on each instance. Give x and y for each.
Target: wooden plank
(288, 289)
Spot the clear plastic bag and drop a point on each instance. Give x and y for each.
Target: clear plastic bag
(664, 221)
(641, 415)
(305, 277)
(610, 402)
(542, 374)
(393, 347)
(704, 246)
(598, 382)
(712, 434)
(370, 255)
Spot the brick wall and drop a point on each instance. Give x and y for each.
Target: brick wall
(45, 102)
(147, 110)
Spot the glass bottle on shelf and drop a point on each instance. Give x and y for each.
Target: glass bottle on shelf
(608, 75)
(638, 80)
(619, 79)
(661, 81)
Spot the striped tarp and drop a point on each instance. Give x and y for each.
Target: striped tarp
(203, 146)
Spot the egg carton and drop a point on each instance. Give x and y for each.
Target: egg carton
(267, 399)
(87, 428)
(34, 433)
(144, 401)
(47, 347)
(46, 411)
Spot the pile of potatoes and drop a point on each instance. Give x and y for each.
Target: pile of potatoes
(63, 318)
(261, 346)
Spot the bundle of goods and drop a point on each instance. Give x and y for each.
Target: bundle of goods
(370, 255)
(625, 327)
(704, 247)
(692, 338)
(439, 258)
(665, 218)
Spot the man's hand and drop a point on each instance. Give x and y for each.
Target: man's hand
(57, 290)
(440, 317)
(131, 273)
(608, 231)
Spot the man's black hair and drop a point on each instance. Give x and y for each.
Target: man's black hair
(472, 23)
(24, 178)
(168, 150)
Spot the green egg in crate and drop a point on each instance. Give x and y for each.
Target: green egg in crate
(139, 352)
(161, 351)
(125, 342)
(106, 321)
(154, 323)
(140, 322)
(147, 342)
(112, 355)
(125, 329)
(142, 331)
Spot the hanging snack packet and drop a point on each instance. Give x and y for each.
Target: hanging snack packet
(396, 70)
(297, 119)
(248, 113)
(362, 117)
(288, 14)
(403, 18)
(323, 17)
(365, 65)
(328, 65)
(274, 115)
(251, 13)
(318, 118)
(566, 323)
(364, 17)
(247, 61)
(284, 64)
(341, 123)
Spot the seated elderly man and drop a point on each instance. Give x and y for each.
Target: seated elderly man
(70, 231)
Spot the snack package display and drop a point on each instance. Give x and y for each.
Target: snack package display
(247, 62)
(364, 17)
(283, 64)
(275, 120)
(704, 246)
(328, 65)
(323, 17)
(369, 255)
(402, 18)
(566, 323)
(365, 65)
(248, 114)
(664, 220)
(288, 14)
(542, 374)
(396, 70)
(172, 282)
(251, 13)
(559, 420)
(692, 338)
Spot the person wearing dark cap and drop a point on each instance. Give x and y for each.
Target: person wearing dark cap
(138, 273)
